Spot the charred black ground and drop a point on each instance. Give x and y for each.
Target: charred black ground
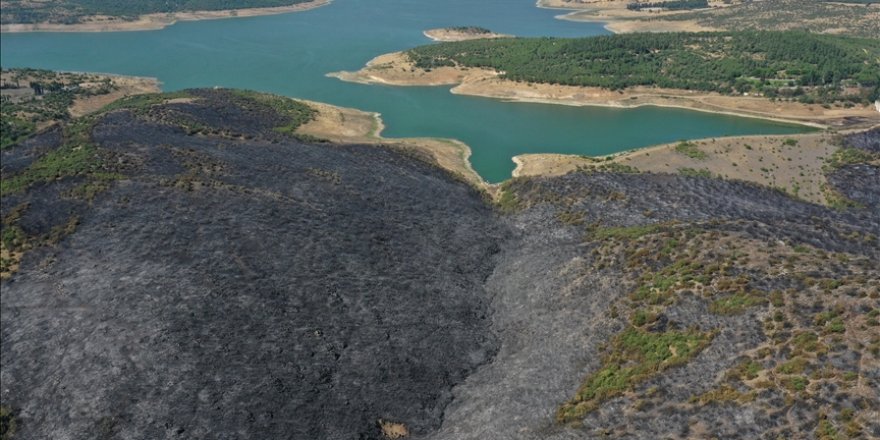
(243, 288)
(202, 273)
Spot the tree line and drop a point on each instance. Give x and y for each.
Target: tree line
(809, 67)
(670, 5)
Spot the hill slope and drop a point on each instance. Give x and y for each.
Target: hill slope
(240, 281)
(192, 270)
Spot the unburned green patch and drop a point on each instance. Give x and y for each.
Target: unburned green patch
(625, 232)
(634, 356)
(692, 172)
(691, 150)
(8, 423)
(736, 303)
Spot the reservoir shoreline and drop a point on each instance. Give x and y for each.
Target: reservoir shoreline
(395, 69)
(150, 22)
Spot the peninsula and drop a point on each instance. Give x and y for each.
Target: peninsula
(462, 33)
(772, 75)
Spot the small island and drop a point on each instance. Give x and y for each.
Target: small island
(462, 33)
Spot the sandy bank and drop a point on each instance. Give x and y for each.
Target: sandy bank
(618, 19)
(792, 163)
(396, 69)
(452, 34)
(100, 23)
(352, 126)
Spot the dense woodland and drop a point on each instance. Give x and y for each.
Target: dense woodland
(669, 5)
(796, 65)
(72, 11)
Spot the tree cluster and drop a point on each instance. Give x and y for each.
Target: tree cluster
(811, 67)
(670, 5)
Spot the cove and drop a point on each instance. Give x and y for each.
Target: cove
(290, 54)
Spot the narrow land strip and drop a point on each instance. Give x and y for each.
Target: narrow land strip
(101, 23)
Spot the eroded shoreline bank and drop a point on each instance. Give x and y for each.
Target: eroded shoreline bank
(353, 126)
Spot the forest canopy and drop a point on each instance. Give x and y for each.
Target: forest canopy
(809, 67)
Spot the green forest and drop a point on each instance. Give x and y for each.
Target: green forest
(796, 65)
(671, 5)
(72, 11)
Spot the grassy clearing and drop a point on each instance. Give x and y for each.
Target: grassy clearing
(691, 150)
(625, 232)
(848, 156)
(691, 172)
(736, 303)
(634, 356)
(141, 103)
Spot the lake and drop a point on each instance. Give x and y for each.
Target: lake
(290, 54)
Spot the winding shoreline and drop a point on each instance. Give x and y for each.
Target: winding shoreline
(150, 22)
(397, 70)
(350, 125)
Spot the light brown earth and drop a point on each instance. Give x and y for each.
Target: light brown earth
(124, 86)
(102, 23)
(397, 69)
(813, 16)
(767, 160)
(451, 34)
(348, 125)
(618, 19)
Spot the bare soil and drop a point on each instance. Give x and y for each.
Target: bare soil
(451, 34)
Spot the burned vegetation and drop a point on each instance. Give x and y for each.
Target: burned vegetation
(191, 270)
(184, 266)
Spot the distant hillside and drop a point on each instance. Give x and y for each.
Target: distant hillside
(73, 11)
(847, 17)
(808, 67)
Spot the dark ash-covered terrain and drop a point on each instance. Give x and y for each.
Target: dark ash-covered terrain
(230, 288)
(207, 275)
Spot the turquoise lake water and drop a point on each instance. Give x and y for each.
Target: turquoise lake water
(290, 54)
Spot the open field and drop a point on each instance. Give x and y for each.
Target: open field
(796, 164)
(815, 16)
